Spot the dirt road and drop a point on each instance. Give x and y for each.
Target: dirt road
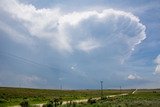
(134, 91)
(84, 100)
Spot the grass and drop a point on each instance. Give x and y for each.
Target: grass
(13, 96)
(142, 98)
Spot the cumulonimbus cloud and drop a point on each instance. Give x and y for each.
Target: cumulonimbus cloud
(85, 31)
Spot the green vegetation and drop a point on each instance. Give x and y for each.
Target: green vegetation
(25, 103)
(13, 96)
(142, 98)
(54, 98)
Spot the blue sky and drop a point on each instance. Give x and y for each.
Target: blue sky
(78, 43)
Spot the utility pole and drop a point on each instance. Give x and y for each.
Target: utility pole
(101, 89)
(120, 89)
(61, 86)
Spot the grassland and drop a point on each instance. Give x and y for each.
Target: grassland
(13, 96)
(141, 98)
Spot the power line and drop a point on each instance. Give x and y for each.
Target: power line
(28, 61)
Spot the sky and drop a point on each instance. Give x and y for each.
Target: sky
(75, 44)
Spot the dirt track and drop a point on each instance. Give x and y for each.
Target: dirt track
(84, 100)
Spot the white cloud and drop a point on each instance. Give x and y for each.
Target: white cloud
(134, 77)
(131, 77)
(157, 61)
(15, 35)
(88, 45)
(68, 32)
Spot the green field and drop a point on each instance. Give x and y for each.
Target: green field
(142, 97)
(13, 96)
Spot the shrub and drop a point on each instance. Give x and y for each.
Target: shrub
(24, 103)
(74, 104)
(3, 101)
(91, 101)
(49, 104)
(54, 103)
